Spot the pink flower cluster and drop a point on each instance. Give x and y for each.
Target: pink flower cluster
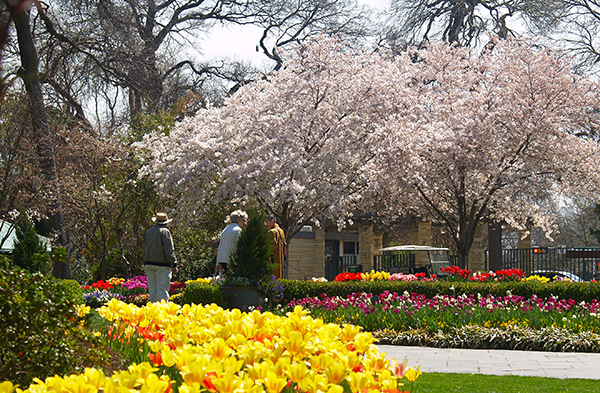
(136, 282)
(409, 303)
(412, 277)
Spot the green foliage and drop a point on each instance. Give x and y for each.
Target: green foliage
(252, 255)
(29, 250)
(4, 261)
(431, 382)
(201, 293)
(195, 257)
(40, 332)
(273, 289)
(72, 290)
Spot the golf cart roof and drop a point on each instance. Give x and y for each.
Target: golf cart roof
(413, 248)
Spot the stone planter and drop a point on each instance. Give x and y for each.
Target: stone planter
(243, 298)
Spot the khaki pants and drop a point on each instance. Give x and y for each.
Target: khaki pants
(159, 282)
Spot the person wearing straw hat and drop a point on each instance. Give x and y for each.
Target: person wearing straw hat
(159, 258)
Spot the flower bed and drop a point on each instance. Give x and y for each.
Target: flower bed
(133, 290)
(413, 319)
(208, 349)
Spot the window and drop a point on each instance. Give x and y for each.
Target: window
(350, 248)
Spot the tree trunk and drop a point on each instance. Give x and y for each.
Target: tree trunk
(495, 246)
(29, 73)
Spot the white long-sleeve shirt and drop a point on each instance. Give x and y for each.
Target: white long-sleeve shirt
(229, 238)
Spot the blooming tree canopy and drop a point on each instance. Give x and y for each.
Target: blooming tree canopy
(453, 137)
(301, 141)
(490, 136)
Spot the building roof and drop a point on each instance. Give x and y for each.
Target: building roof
(7, 231)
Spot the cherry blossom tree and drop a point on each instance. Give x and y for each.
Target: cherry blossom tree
(301, 141)
(452, 137)
(491, 136)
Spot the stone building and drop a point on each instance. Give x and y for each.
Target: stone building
(319, 251)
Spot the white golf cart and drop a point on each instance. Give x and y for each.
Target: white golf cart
(403, 259)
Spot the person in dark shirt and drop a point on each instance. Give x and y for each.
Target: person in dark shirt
(159, 258)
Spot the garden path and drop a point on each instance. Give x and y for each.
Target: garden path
(499, 362)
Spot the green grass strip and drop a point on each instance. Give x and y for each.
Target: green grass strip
(479, 383)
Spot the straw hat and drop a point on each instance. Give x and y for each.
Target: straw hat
(161, 218)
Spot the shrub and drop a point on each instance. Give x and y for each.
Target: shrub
(252, 255)
(72, 290)
(197, 292)
(29, 250)
(41, 335)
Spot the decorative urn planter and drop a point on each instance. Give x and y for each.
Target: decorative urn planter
(243, 298)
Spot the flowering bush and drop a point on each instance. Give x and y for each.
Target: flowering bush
(206, 348)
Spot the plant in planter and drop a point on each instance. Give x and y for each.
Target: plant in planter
(249, 263)
(252, 256)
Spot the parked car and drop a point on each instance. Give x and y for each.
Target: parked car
(560, 274)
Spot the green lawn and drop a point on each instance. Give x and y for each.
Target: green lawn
(477, 383)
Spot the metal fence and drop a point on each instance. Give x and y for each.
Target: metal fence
(582, 262)
(390, 262)
(343, 264)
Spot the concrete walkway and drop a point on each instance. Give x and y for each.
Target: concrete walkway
(498, 362)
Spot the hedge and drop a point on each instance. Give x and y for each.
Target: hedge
(578, 291)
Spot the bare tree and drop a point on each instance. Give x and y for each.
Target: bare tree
(415, 22)
(29, 73)
(136, 53)
(574, 24)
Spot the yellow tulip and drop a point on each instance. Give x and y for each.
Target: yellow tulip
(7, 387)
(218, 349)
(273, 383)
(154, 384)
(363, 342)
(376, 363)
(359, 381)
(349, 332)
(227, 383)
(335, 389)
(295, 344)
(82, 310)
(296, 371)
(336, 372)
(259, 371)
(320, 362)
(413, 374)
(194, 387)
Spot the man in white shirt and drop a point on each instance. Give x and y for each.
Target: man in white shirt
(229, 237)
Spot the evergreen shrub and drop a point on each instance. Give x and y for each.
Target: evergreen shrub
(41, 333)
(252, 256)
(29, 251)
